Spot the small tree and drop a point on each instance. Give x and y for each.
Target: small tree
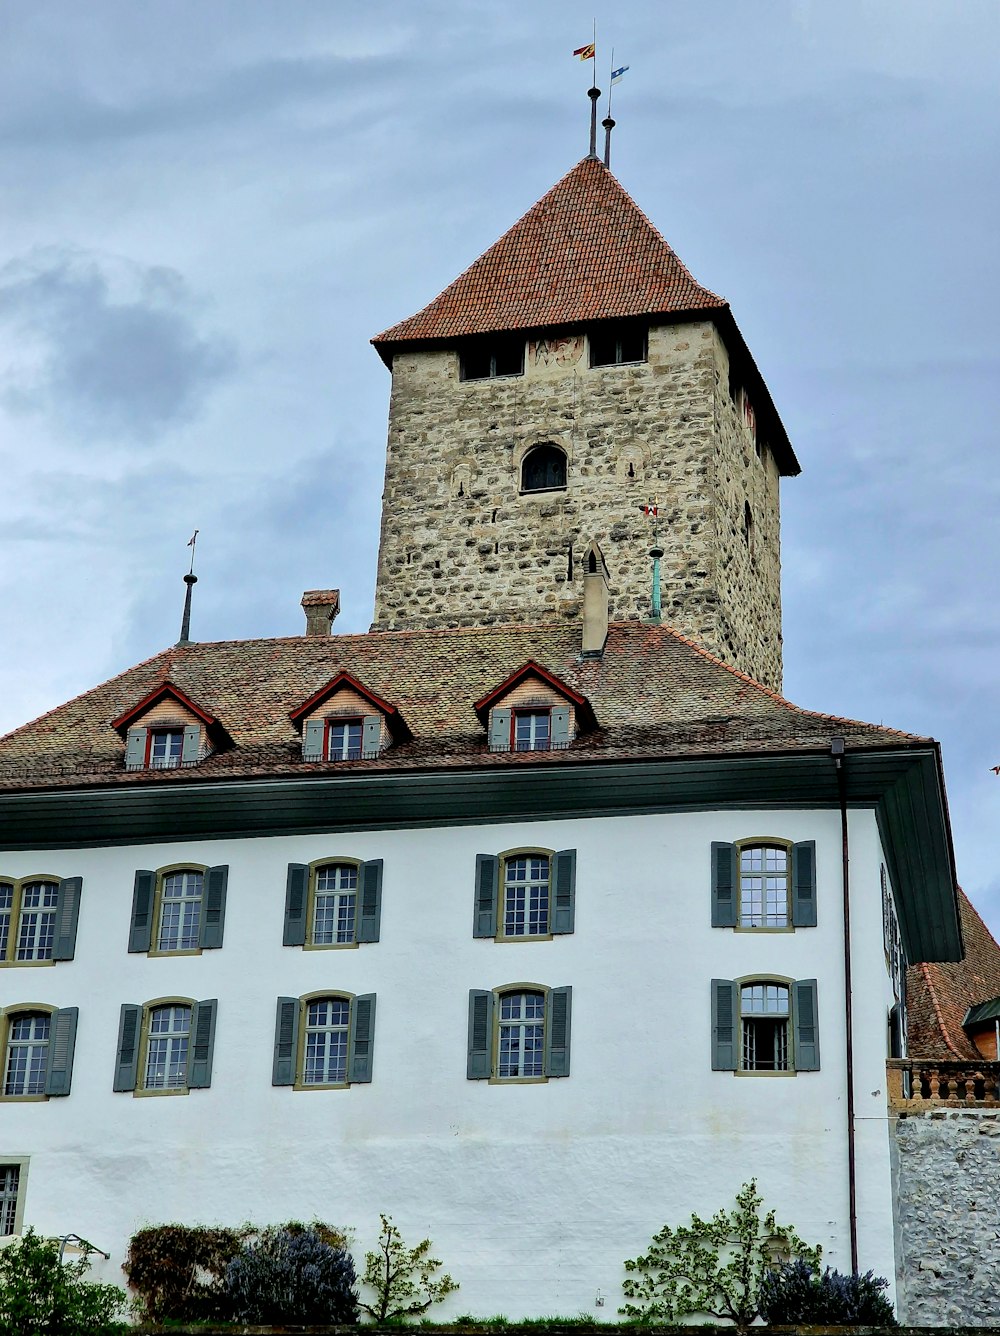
(403, 1279)
(292, 1275)
(797, 1293)
(714, 1267)
(42, 1296)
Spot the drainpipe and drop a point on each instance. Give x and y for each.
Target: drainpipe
(837, 752)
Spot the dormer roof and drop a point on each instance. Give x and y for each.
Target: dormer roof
(584, 712)
(344, 681)
(165, 691)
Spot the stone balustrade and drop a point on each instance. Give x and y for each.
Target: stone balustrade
(915, 1084)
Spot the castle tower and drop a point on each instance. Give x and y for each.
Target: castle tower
(573, 373)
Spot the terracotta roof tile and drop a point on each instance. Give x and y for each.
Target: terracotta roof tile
(585, 251)
(654, 693)
(939, 995)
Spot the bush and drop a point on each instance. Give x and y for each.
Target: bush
(797, 1292)
(291, 1275)
(41, 1296)
(178, 1271)
(404, 1280)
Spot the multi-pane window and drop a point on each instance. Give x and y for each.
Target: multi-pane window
(164, 747)
(484, 359)
(894, 958)
(26, 1057)
(327, 1026)
(521, 1036)
(180, 911)
(615, 344)
(526, 895)
(544, 468)
(335, 902)
(343, 740)
(167, 1038)
(28, 919)
(10, 1183)
(764, 1025)
(764, 880)
(531, 730)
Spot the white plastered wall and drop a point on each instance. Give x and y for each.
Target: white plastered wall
(532, 1194)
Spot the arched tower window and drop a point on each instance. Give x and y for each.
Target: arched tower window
(544, 467)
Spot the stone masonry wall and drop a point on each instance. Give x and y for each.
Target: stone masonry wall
(460, 545)
(948, 1200)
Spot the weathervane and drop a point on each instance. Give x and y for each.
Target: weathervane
(652, 511)
(190, 580)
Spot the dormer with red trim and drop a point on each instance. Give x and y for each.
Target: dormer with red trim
(533, 710)
(344, 721)
(167, 730)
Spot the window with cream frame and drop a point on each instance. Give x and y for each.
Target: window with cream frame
(765, 1025)
(38, 919)
(519, 1033)
(13, 1183)
(179, 909)
(37, 1043)
(764, 883)
(333, 902)
(165, 1046)
(324, 1040)
(525, 894)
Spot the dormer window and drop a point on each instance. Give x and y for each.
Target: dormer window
(164, 748)
(532, 710)
(489, 358)
(344, 721)
(167, 730)
(531, 730)
(343, 739)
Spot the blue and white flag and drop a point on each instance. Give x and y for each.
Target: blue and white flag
(617, 74)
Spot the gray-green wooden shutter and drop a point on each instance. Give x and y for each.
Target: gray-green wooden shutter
(723, 1025)
(480, 1062)
(286, 1038)
(67, 917)
(143, 896)
(62, 1042)
(724, 885)
(559, 726)
(563, 892)
(201, 1044)
(370, 917)
(127, 1064)
(361, 1039)
(371, 735)
(557, 1019)
(500, 730)
(312, 740)
(806, 1014)
(296, 904)
(804, 884)
(484, 923)
(135, 749)
(213, 907)
(191, 744)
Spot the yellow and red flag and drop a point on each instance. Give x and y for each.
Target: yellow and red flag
(585, 52)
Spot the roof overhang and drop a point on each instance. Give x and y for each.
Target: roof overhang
(902, 785)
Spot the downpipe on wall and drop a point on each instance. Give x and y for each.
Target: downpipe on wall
(837, 751)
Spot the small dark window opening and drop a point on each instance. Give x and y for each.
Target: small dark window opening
(747, 522)
(543, 468)
(631, 469)
(617, 344)
(592, 563)
(484, 359)
(569, 563)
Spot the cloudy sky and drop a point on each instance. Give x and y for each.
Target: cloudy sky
(208, 210)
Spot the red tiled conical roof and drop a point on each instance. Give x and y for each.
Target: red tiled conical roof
(585, 251)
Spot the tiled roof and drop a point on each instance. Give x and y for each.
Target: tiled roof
(939, 995)
(585, 251)
(654, 693)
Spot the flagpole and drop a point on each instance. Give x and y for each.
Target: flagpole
(610, 83)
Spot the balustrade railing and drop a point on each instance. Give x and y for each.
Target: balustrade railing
(915, 1083)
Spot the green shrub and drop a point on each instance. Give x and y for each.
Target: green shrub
(797, 1292)
(178, 1271)
(291, 1275)
(41, 1296)
(403, 1279)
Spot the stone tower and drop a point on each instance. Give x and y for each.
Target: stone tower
(573, 373)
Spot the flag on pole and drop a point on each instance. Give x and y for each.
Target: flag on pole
(650, 510)
(617, 74)
(190, 542)
(585, 52)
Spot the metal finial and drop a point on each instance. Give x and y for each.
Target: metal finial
(652, 511)
(593, 94)
(190, 581)
(609, 125)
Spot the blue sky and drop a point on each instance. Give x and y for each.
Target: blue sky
(209, 210)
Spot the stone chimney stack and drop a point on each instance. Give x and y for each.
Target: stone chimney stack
(595, 602)
(321, 607)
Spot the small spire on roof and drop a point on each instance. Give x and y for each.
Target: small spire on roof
(190, 580)
(652, 512)
(593, 93)
(609, 125)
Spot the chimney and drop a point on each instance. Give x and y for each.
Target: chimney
(320, 607)
(595, 602)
